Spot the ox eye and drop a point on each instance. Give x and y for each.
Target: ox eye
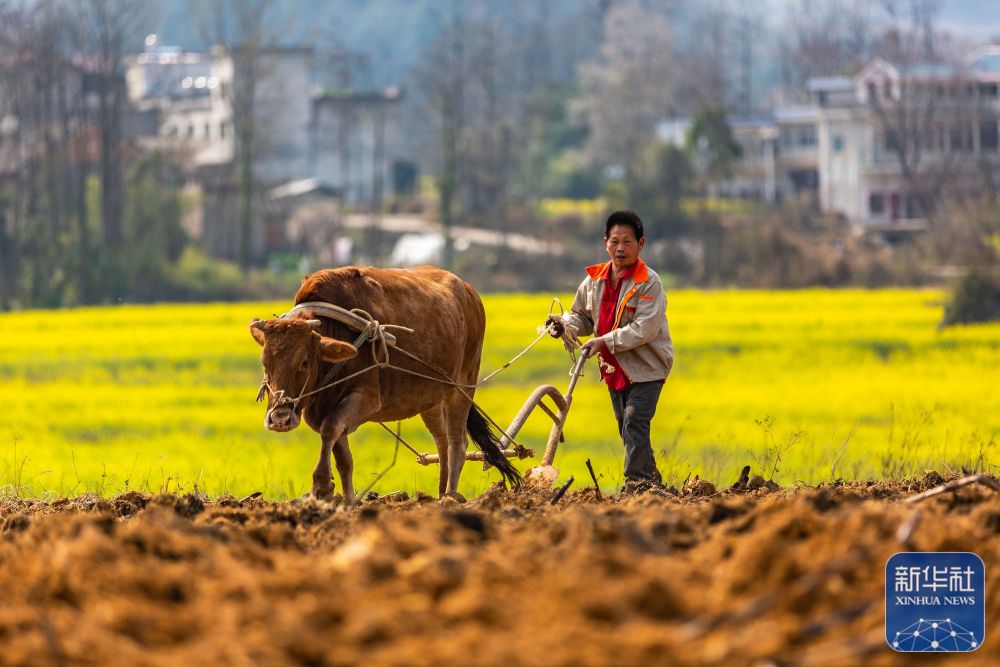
(304, 365)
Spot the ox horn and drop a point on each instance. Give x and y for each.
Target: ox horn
(259, 324)
(313, 324)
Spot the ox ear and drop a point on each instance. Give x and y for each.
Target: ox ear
(257, 331)
(333, 350)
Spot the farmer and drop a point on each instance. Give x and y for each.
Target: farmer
(623, 304)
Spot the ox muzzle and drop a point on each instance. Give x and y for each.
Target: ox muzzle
(281, 418)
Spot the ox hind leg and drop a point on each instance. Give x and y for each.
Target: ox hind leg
(434, 421)
(455, 411)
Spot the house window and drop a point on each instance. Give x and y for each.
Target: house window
(822, 98)
(208, 130)
(937, 137)
(838, 143)
(988, 136)
(988, 90)
(891, 140)
(961, 138)
(807, 136)
(876, 203)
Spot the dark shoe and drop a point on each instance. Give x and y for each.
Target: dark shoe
(635, 487)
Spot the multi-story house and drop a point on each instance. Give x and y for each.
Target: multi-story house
(874, 147)
(892, 137)
(347, 143)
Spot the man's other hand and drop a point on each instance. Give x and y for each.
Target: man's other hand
(555, 325)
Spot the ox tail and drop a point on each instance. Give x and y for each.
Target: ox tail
(487, 438)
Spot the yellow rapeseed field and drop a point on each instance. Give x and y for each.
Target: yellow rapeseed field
(804, 386)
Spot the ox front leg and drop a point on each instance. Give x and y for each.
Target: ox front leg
(322, 486)
(353, 409)
(345, 467)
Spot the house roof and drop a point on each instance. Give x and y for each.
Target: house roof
(796, 114)
(932, 71)
(985, 58)
(830, 84)
(305, 186)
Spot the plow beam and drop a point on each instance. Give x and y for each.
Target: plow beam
(512, 453)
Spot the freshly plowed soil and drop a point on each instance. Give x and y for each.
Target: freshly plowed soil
(783, 577)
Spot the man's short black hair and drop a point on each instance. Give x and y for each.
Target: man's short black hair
(627, 218)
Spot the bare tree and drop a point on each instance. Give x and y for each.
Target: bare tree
(244, 31)
(923, 104)
(47, 134)
(108, 29)
(340, 69)
(442, 77)
(630, 87)
(824, 38)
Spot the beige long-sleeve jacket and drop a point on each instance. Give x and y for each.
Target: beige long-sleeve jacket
(640, 339)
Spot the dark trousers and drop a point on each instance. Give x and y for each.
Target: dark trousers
(634, 410)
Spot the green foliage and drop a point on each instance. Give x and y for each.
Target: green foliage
(198, 277)
(155, 237)
(554, 165)
(710, 141)
(975, 299)
(566, 175)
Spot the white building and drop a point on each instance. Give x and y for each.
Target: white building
(349, 144)
(843, 150)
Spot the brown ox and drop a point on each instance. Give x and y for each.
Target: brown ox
(448, 324)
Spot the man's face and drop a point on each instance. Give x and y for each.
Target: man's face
(623, 248)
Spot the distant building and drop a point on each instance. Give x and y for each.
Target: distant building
(778, 154)
(947, 116)
(358, 144)
(348, 145)
(844, 154)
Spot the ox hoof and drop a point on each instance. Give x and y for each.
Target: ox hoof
(452, 498)
(322, 492)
